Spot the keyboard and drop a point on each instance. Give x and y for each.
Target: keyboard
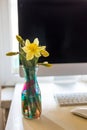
(67, 99)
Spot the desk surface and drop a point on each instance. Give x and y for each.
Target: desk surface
(53, 116)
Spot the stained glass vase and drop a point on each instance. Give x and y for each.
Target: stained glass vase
(31, 95)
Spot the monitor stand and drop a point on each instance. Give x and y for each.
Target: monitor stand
(71, 83)
(83, 78)
(66, 79)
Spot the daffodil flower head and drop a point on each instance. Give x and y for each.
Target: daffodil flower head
(30, 52)
(34, 50)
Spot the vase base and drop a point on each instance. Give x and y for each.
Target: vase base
(31, 118)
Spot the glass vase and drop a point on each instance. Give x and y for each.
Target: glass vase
(31, 95)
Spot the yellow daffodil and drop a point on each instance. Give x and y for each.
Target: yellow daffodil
(30, 52)
(44, 53)
(34, 50)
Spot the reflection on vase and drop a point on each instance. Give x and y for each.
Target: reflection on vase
(31, 95)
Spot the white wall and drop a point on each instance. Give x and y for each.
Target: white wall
(6, 77)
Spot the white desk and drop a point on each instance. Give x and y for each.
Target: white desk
(53, 117)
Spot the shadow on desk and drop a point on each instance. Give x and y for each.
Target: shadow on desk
(42, 122)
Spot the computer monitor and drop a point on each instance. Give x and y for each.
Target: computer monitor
(61, 25)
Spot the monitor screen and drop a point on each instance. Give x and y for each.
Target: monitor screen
(61, 25)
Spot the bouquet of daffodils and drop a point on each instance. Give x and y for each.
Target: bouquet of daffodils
(30, 52)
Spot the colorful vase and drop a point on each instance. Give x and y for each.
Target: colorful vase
(31, 94)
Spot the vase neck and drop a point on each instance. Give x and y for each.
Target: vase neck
(30, 73)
